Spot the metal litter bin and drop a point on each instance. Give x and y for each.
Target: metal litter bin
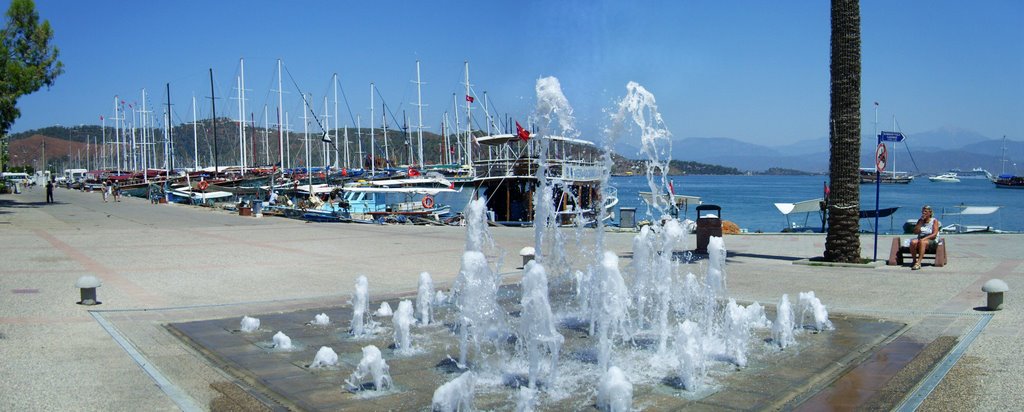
(627, 217)
(709, 223)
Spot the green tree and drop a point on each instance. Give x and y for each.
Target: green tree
(842, 244)
(27, 62)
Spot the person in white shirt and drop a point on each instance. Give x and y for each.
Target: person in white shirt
(927, 230)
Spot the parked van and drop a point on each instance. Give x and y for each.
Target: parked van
(20, 178)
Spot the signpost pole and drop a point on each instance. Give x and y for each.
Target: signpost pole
(880, 155)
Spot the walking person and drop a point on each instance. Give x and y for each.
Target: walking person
(49, 191)
(117, 192)
(927, 230)
(106, 190)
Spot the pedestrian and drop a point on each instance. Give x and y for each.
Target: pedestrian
(106, 190)
(927, 230)
(117, 192)
(49, 191)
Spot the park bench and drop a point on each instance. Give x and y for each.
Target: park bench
(936, 252)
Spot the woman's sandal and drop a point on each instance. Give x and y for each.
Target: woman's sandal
(916, 266)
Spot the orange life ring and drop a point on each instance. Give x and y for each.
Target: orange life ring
(428, 202)
(203, 185)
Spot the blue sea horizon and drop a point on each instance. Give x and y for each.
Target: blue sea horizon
(749, 201)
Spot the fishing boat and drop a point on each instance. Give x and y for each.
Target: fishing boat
(383, 201)
(945, 178)
(868, 175)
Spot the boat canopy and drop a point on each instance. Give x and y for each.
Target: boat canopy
(499, 139)
(806, 206)
(974, 210)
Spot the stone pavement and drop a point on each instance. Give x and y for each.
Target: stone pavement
(169, 263)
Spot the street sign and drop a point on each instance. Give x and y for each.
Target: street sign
(890, 137)
(880, 155)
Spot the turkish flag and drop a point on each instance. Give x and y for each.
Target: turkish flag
(470, 98)
(522, 133)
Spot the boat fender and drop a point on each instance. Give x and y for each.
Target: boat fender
(428, 202)
(203, 185)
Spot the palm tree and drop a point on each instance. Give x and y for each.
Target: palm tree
(842, 244)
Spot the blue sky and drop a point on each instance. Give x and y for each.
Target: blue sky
(753, 71)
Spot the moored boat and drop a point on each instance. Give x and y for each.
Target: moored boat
(945, 178)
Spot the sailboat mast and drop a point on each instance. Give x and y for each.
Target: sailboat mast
(241, 115)
(213, 103)
(337, 121)
(419, 109)
(117, 132)
(458, 129)
(280, 112)
(305, 133)
(469, 119)
(195, 135)
(167, 151)
(373, 146)
(145, 142)
(266, 135)
(359, 138)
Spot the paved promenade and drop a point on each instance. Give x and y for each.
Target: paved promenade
(172, 263)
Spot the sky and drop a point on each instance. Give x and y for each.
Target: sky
(748, 70)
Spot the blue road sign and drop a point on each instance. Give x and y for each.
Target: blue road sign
(890, 137)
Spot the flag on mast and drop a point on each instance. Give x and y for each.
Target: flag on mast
(470, 98)
(523, 134)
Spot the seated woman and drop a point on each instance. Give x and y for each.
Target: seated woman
(927, 230)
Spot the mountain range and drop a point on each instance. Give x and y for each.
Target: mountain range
(932, 151)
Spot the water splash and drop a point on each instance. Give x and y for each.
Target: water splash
(782, 330)
(810, 304)
(481, 319)
(402, 319)
(691, 355)
(373, 365)
(614, 392)
(614, 306)
(639, 108)
(324, 357)
(424, 297)
(360, 305)
(716, 265)
(321, 320)
(384, 310)
(282, 341)
(456, 395)
(249, 325)
(537, 327)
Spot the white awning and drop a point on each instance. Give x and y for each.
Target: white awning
(805, 206)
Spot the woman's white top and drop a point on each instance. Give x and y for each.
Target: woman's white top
(926, 228)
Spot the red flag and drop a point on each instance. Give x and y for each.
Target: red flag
(101, 118)
(523, 134)
(470, 98)
(671, 188)
(413, 172)
(827, 190)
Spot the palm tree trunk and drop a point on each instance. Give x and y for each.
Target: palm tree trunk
(842, 244)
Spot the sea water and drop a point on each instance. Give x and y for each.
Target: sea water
(749, 201)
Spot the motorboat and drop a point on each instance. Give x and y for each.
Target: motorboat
(945, 178)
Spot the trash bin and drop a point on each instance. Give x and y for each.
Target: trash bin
(709, 223)
(627, 217)
(257, 208)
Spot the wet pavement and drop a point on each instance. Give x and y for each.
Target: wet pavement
(165, 266)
